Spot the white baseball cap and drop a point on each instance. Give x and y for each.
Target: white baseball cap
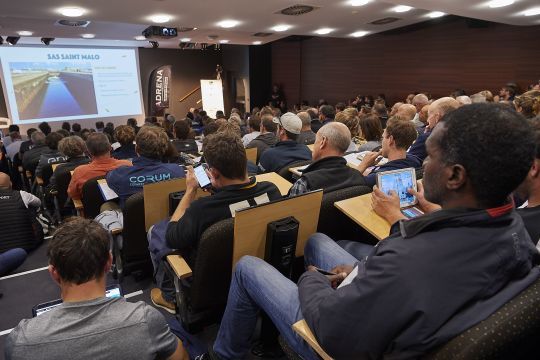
(290, 122)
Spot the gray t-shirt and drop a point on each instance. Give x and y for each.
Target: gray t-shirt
(97, 329)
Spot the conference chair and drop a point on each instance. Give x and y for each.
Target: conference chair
(286, 174)
(62, 202)
(333, 222)
(92, 198)
(201, 293)
(512, 332)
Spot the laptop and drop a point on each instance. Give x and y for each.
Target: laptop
(112, 291)
(399, 181)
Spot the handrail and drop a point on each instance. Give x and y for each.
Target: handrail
(189, 94)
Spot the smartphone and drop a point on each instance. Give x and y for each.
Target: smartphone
(324, 272)
(399, 181)
(202, 177)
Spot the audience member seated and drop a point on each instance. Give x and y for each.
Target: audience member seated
(315, 123)
(31, 157)
(529, 190)
(28, 144)
(15, 145)
(350, 120)
(434, 277)
(133, 123)
(99, 149)
(254, 127)
(20, 228)
(381, 112)
(371, 131)
(73, 148)
(464, 100)
(6, 141)
(396, 139)
(329, 170)
(76, 129)
(45, 128)
(528, 104)
(406, 112)
(286, 150)
(419, 101)
(51, 155)
(267, 137)
(233, 189)
(66, 126)
(436, 111)
(183, 142)
(10, 260)
(394, 109)
(125, 135)
(89, 325)
(306, 136)
(326, 115)
(100, 126)
(151, 145)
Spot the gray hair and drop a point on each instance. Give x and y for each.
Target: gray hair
(38, 138)
(338, 135)
(443, 106)
(420, 99)
(304, 116)
(464, 100)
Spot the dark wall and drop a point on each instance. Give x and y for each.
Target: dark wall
(188, 68)
(432, 57)
(260, 74)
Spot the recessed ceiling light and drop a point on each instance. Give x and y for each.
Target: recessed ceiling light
(500, 3)
(358, 2)
(228, 23)
(72, 11)
(223, 41)
(88, 36)
(257, 42)
(25, 33)
(160, 18)
(402, 8)
(280, 28)
(359, 33)
(324, 31)
(140, 38)
(436, 14)
(532, 12)
(185, 40)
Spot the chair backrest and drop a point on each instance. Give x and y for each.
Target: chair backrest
(512, 332)
(212, 270)
(332, 221)
(251, 155)
(92, 198)
(62, 178)
(46, 173)
(286, 174)
(135, 243)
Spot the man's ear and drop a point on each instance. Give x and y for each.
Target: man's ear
(456, 176)
(534, 172)
(54, 274)
(214, 173)
(324, 142)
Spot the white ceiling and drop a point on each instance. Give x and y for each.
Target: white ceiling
(116, 22)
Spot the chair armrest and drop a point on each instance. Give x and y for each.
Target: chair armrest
(39, 181)
(116, 231)
(301, 328)
(20, 168)
(78, 204)
(28, 174)
(53, 192)
(179, 266)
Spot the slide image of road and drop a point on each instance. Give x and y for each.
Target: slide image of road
(48, 90)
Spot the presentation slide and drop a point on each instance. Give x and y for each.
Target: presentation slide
(61, 84)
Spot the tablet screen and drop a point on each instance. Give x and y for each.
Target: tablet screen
(399, 181)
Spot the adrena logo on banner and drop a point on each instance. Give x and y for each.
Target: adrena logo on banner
(160, 88)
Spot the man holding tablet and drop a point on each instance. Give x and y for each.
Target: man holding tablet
(434, 277)
(89, 325)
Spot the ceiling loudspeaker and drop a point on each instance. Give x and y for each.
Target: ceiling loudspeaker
(12, 40)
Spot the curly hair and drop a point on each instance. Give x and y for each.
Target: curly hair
(124, 134)
(528, 104)
(152, 142)
(349, 120)
(72, 146)
(494, 144)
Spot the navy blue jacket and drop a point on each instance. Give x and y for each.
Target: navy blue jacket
(128, 180)
(125, 152)
(409, 161)
(434, 277)
(418, 148)
(282, 154)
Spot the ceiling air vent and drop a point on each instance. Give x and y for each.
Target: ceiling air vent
(262, 34)
(73, 23)
(297, 10)
(385, 21)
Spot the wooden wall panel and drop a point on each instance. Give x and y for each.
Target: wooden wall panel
(437, 58)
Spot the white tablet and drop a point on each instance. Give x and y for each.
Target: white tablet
(399, 181)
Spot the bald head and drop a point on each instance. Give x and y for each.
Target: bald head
(395, 108)
(333, 139)
(439, 108)
(419, 101)
(5, 182)
(464, 100)
(406, 111)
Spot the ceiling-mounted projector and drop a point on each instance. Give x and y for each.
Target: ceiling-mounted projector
(160, 32)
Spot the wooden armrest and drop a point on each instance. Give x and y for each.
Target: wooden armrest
(20, 168)
(39, 181)
(53, 192)
(179, 266)
(78, 204)
(116, 231)
(301, 328)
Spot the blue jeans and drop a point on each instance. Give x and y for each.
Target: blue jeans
(11, 259)
(257, 285)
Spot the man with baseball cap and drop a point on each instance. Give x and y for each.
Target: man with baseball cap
(287, 150)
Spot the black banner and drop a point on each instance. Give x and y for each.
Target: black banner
(160, 90)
